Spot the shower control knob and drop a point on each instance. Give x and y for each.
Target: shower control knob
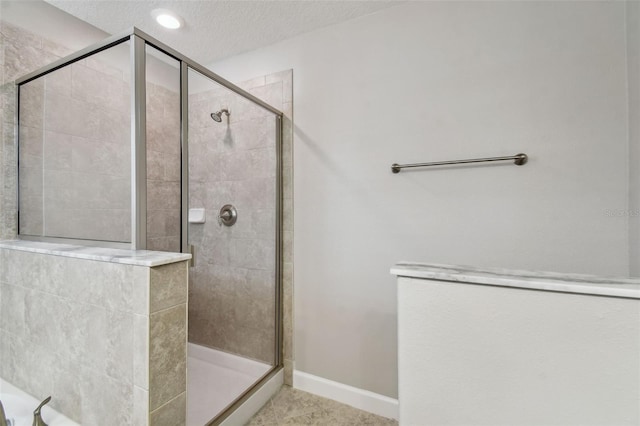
(228, 215)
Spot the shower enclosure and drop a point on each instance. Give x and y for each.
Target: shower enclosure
(129, 144)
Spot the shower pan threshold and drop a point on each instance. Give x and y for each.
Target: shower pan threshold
(215, 379)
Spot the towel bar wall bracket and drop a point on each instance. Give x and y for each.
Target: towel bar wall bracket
(518, 160)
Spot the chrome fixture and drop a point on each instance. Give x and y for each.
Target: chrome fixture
(217, 116)
(37, 418)
(3, 418)
(228, 215)
(518, 160)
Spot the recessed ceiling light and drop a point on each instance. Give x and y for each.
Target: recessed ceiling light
(167, 18)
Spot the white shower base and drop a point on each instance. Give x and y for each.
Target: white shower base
(215, 379)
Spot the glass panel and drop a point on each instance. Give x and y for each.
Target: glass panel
(232, 289)
(163, 151)
(75, 150)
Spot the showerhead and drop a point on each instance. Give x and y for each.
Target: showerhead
(217, 116)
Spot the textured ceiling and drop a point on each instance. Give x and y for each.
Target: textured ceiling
(216, 29)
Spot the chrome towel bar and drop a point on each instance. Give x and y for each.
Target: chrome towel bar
(518, 160)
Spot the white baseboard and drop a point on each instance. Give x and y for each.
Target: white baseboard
(355, 397)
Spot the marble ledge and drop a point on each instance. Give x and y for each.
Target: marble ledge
(546, 281)
(128, 257)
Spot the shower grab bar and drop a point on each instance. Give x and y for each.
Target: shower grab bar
(518, 160)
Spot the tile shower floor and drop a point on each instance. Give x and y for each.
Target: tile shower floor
(215, 380)
(294, 407)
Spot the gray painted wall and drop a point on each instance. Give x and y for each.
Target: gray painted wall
(437, 81)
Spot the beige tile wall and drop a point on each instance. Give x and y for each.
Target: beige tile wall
(107, 341)
(287, 220)
(20, 53)
(168, 289)
(75, 155)
(163, 168)
(88, 121)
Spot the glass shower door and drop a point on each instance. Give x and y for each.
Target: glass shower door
(233, 230)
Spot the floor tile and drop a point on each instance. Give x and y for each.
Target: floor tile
(292, 407)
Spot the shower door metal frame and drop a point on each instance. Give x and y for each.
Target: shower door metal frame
(138, 143)
(138, 42)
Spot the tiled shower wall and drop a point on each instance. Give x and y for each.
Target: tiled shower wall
(75, 167)
(232, 287)
(20, 53)
(163, 168)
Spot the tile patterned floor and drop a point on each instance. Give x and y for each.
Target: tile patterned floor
(294, 407)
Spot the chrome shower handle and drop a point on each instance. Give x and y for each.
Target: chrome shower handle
(228, 215)
(224, 217)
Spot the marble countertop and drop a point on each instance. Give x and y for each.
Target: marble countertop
(548, 281)
(128, 257)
